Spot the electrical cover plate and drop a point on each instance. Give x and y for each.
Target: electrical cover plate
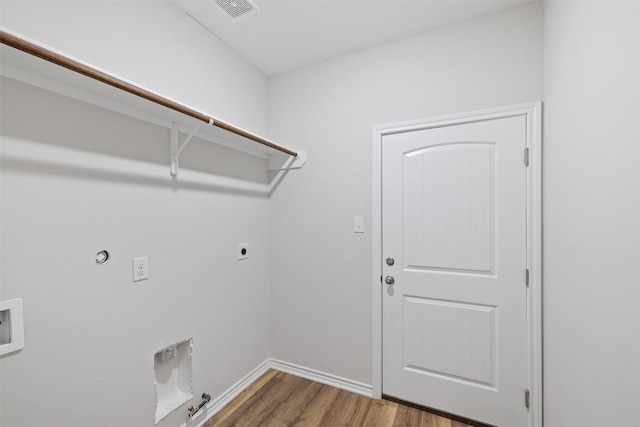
(243, 251)
(11, 326)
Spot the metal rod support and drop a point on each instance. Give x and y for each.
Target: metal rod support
(173, 140)
(186, 141)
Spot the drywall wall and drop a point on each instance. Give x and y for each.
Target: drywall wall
(592, 213)
(321, 270)
(154, 44)
(80, 179)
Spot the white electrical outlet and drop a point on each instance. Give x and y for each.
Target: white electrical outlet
(243, 251)
(140, 269)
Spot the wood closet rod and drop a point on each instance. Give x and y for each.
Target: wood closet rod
(63, 61)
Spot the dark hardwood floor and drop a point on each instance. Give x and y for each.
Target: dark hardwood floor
(279, 399)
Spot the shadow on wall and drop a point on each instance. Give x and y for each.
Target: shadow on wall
(56, 121)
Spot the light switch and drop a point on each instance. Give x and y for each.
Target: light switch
(358, 224)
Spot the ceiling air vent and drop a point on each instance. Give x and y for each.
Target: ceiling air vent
(237, 8)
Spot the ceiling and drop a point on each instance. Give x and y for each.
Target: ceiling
(287, 34)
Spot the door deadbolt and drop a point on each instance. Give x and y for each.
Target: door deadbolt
(390, 261)
(389, 280)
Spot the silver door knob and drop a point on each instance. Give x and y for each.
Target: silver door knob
(390, 261)
(389, 280)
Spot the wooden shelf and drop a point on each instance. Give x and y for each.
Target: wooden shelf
(40, 66)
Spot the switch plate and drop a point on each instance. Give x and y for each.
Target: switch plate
(243, 251)
(140, 269)
(358, 224)
(12, 326)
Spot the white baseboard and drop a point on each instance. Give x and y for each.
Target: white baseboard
(322, 377)
(213, 407)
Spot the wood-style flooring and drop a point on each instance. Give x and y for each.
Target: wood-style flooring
(279, 399)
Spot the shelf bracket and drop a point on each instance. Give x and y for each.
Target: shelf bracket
(279, 162)
(176, 147)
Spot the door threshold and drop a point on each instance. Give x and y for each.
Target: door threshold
(452, 417)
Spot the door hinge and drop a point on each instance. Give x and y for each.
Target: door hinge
(526, 156)
(526, 277)
(527, 399)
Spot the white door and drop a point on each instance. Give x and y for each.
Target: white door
(454, 245)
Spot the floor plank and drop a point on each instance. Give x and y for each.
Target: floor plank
(289, 411)
(317, 408)
(229, 409)
(277, 399)
(348, 410)
(410, 417)
(381, 413)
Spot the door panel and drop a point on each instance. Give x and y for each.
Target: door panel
(454, 220)
(448, 207)
(449, 339)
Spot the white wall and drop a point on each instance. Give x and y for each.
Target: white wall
(79, 179)
(592, 213)
(154, 44)
(321, 270)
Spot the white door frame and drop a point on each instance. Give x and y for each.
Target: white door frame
(533, 114)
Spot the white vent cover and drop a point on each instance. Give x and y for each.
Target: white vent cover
(237, 8)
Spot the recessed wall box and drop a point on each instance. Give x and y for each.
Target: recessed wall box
(173, 377)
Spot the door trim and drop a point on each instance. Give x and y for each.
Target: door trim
(533, 114)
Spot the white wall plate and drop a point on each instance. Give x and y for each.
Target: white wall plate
(11, 326)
